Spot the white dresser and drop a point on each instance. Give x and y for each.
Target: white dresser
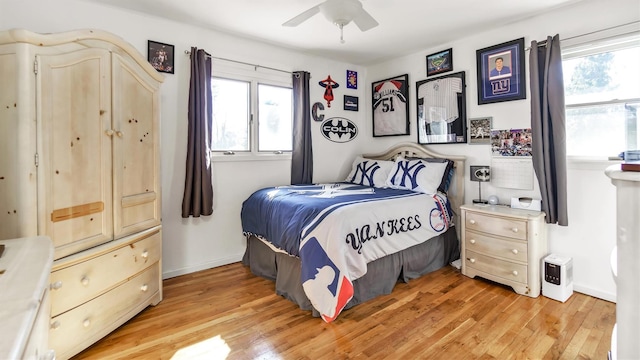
(24, 298)
(504, 245)
(627, 342)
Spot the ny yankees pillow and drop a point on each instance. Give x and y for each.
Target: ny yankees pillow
(369, 172)
(417, 175)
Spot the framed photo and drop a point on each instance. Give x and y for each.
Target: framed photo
(501, 75)
(442, 111)
(440, 62)
(390, 100)
(160, 56)
(480, 130)
(352, 79)
(351, 103)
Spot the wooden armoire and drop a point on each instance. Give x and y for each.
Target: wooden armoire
(79, 145)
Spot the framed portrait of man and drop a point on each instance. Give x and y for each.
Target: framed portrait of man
(501, 75)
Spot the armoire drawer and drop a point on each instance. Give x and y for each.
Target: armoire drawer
(87, 323)
(513, 250)
(508, 227)
(504, 269)
(76, 284)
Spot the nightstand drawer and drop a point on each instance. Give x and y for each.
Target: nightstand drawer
(490, 245)
(509, 227)
(504, 269)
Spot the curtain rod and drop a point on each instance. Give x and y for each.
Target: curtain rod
(544, 42)
(242, 62)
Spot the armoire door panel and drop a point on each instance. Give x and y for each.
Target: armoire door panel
(76, 164)
(136, 148)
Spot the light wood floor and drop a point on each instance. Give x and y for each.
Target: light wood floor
(227, 312)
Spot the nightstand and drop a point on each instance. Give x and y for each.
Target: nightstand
(504, 245)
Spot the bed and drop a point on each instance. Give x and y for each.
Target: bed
(329, 247)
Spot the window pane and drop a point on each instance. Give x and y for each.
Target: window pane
(230, 115)
(274, 118)
(601, 130)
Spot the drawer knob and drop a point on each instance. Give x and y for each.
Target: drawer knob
(515, 251)
(144, 288)
(55, 324)
(56, 285)
(472, 260)
(119, 133)
(515, 229)
(86, 323)
(85, 280)
(515, 273)
(145, 254)
(473, 241)
(109, 132)
(472, 221)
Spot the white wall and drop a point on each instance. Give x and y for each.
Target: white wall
(591, 233)
(194, 244)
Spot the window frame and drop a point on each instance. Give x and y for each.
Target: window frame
(254, 75)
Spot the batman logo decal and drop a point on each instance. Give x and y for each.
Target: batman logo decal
(339, 129)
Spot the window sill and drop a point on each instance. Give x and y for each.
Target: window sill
(589, 163)
(237, 157)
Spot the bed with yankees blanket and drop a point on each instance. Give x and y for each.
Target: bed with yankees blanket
(331, 246)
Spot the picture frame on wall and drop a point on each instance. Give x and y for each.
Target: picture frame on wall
(480, 130)
(161, 56)
(501, 74)
(441, 109)
(440, 62)
(390, 102)
(350, 103)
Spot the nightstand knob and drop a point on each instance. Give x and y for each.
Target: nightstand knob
(86, 323)
(473, 241)
(145, 254)
(515, 273)
(144, 288)
(56, 285)
(515, 229)
(472, 260)
(515, 251)
(85, 280)
(55, 324)
(472, 221)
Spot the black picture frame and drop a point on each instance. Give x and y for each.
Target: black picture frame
(440, 62)
(390, 105)
(350, 103)
(161, 56)
(506, 84)
(480, 130)
(442, 110)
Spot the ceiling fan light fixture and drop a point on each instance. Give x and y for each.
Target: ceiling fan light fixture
(340, 12)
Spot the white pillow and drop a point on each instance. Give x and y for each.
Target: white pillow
(369, 172)
(416, 175)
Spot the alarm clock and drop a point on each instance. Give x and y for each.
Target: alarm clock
(493, 200)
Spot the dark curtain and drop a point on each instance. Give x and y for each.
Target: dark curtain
(302, 152)
(198, 188)
(548, 128)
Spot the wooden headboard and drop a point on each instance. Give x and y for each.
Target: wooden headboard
(456, 189)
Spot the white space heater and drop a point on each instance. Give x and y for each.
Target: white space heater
(557, 275)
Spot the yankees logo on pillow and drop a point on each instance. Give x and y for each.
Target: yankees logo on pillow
(369, 172)
(416, 175)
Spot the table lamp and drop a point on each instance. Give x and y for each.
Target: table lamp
(481, 173)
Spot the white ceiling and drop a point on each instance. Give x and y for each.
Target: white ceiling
(405, 26)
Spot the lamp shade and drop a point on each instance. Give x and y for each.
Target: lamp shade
(481, 173)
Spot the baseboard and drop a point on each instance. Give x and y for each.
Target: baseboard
(595, 293)
(208, 265)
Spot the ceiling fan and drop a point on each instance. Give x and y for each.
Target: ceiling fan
(340, 13)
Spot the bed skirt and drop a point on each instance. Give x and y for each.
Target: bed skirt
(381, 276)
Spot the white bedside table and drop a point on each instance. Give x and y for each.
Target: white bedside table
(504, 245)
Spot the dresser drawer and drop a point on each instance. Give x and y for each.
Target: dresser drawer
(508, 227)
(89, 321)
(74, 285)
(513, 250)
(504, 269)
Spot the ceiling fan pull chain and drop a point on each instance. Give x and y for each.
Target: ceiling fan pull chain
(341, 34)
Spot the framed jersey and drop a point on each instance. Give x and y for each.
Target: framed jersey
(390, 99)
(442, 112)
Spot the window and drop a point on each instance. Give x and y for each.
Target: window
(252, 113)
(602, 96)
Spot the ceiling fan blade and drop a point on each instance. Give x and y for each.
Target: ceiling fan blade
(364, 20)
(297, 20)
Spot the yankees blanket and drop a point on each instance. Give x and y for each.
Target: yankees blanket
(336, 229)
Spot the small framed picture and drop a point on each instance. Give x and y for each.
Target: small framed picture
(351, 103)
(440, 62)
(352, 79)
(480, 131)
(160, 56)
(500, 70)
(390, 101)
